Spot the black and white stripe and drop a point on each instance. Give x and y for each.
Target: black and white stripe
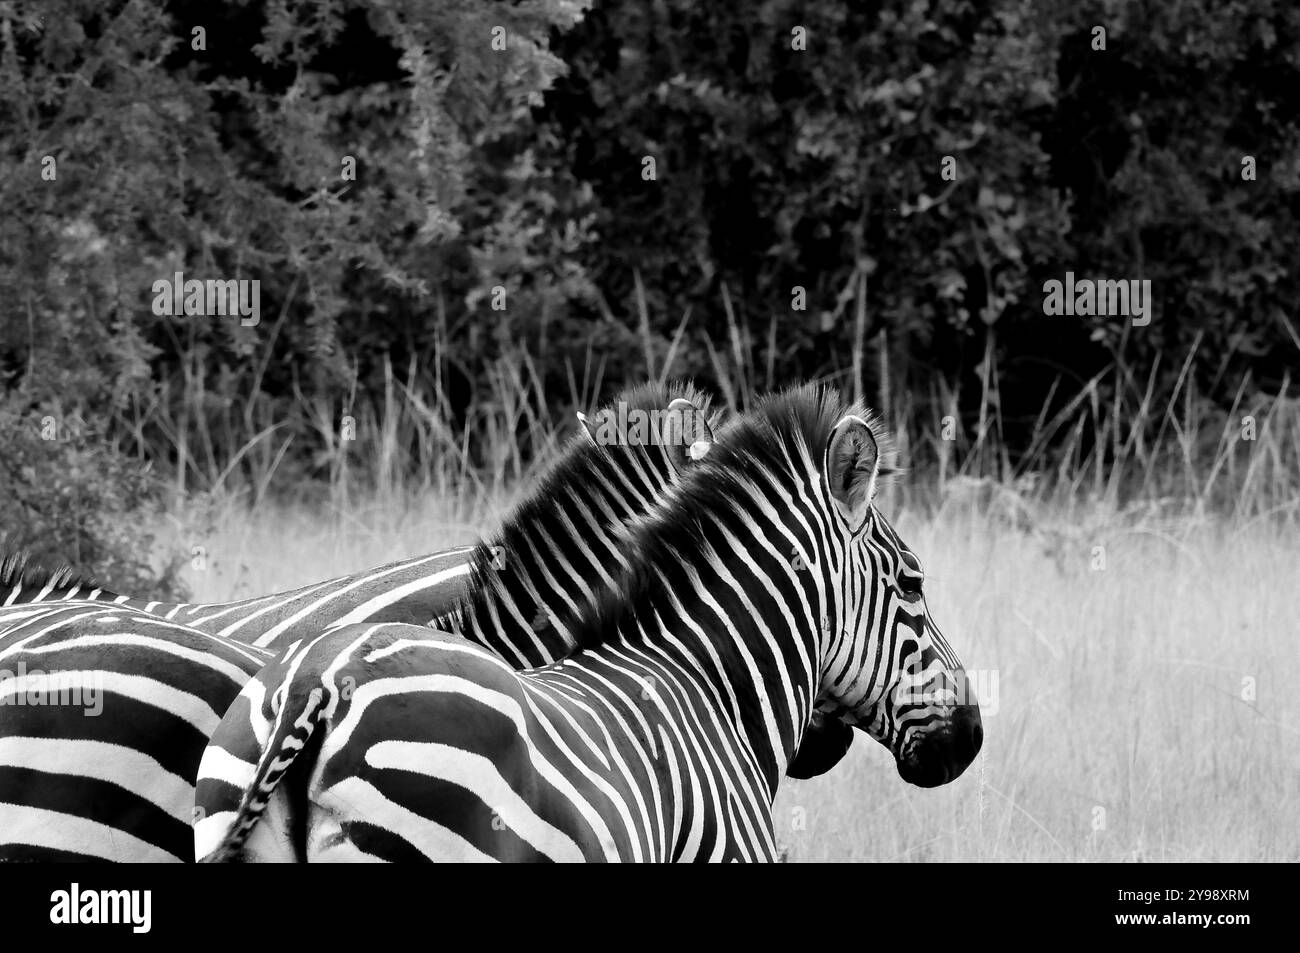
(104, 714)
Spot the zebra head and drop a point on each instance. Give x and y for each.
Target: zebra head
(887, 667)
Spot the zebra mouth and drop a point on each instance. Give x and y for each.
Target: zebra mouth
(943, 753)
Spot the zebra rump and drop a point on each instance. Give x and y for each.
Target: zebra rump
(81, 684)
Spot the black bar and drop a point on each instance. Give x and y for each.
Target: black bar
(932, 906)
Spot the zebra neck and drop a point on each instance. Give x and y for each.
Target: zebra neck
(677, 734)
(759, 671)
(508, 618)
(562, 551)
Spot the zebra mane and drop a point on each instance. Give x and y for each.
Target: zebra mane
(792, 426)
(574, 467)
(18, 569)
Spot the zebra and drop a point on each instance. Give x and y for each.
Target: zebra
(104, 714)
(767, 587)
(521, 594)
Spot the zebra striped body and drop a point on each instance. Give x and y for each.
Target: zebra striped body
(120, 786)
(133, 800)
(766, 588)
(436, 749)
(104, 713)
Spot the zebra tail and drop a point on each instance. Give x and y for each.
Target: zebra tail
(294, 727)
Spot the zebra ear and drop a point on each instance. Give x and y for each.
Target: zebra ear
(687, 427)
(852, 463)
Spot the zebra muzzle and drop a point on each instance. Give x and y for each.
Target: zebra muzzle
(945, 750)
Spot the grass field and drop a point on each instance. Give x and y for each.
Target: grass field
(1141, 711)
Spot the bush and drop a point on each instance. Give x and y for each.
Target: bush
(67, 495)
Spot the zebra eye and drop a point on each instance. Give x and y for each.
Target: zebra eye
(910, 587)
